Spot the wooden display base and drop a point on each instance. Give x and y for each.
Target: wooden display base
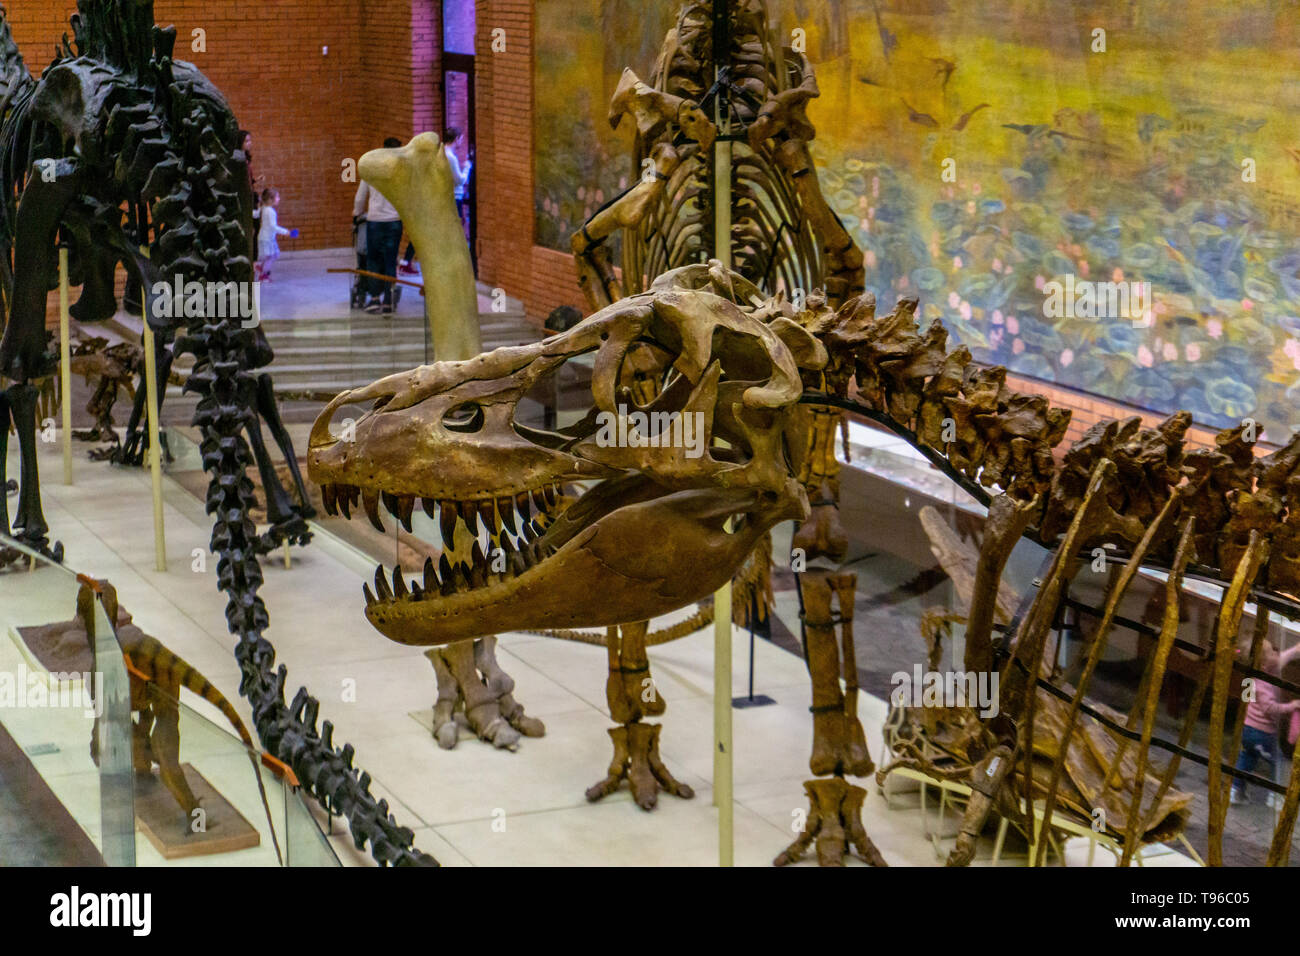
(50, 649)
(162, 821)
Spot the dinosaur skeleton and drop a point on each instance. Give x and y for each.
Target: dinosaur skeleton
(119, 147)
(734, 374)
(156, 678)
(645, 526)
(724, 57)
(1137, 490)
(124, 155)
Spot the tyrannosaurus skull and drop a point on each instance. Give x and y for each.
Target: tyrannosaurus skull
(641, 508)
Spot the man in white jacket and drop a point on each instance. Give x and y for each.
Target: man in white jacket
(383, 240)
(459, 171)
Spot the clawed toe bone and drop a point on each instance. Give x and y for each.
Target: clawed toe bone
(637, 760)
(835, 823)
(474, 693)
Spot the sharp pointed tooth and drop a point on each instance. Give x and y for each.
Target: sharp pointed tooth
(487, 509)
(521, 505)
(528, 533)
(431, 582)
(539, 499)
(469, 512)
(506, 509)
(509, 551)
(416, 593)
(371, 501)
(448, 583)
(370, 597)
(478, 575)
(447, 522)
(526, 556)
(381, 585)
(518, 563)
(479, 558)
(536, 549)
(345, 501)
(392, 503)
(549, 493)
(399, 583)
(407, 510)
(330, 495)
(459, 581)
(430, 506)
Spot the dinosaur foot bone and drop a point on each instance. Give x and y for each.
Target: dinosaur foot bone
(835, 823)
(474, 693)
(637, 760)
(292, 529)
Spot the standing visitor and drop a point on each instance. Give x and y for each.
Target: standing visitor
(383, 240)
(459, 171)
(1263, 716)
(245, 141)
(268, 246)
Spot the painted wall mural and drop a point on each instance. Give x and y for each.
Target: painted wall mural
(581, 49)
(1103, 194)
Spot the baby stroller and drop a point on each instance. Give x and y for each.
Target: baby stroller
(360, 282)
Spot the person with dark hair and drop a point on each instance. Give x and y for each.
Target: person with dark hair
(459, 171)
(383, 240)
(244, 143)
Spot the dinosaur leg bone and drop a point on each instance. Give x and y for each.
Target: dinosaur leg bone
(632, 694)
(482, 704)
(503, 685)
(288, 517)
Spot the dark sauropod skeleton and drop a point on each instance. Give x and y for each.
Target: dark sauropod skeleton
(116, 148)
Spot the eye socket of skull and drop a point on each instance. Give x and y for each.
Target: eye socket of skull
(466, 418)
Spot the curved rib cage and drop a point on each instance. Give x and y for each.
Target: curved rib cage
(1220, 514)
(784, 235)
(118, 146)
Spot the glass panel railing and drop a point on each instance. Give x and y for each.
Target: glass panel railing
(74, 788)
(65, 722)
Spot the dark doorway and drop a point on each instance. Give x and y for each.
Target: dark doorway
(458, 27)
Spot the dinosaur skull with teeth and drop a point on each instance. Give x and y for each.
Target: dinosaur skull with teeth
(632, 512)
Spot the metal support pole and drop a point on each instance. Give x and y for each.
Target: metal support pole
(722, 753)
(155, 443)
(65, 364)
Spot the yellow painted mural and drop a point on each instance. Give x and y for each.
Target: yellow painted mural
(1104, 194)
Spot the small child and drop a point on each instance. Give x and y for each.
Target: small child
(1263, 715)
(268, 247)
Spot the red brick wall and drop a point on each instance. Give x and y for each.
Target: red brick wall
(542, 278)
(307, 110)
(426, 58)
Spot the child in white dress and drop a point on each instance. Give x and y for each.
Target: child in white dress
(268, 246)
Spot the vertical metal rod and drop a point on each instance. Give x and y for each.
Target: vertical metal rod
(65, 364)
(155, 443)
(722, 739)
(751, 658)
